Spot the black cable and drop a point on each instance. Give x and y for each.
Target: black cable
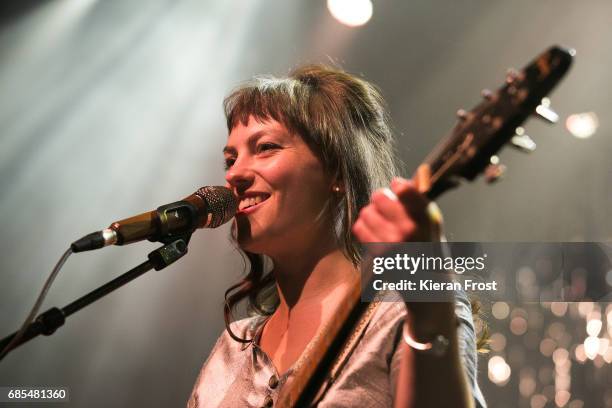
(38, 304)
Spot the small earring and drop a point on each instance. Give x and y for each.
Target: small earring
(336, 189)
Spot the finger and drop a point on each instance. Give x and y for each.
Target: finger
(402, 186)
(363, 233)
(389, 206)
(384, 230)
(408, 194)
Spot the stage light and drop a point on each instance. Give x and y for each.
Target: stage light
(500, 310)
(352, 13)
(518, 326)
(608, 355)
(558, 308)
(584, 308)
(547, 347)
(562, 397)
(593, 327)
(591, 347)
(560, 356)
(499, 371)
(527, 383)
(581, 356)
(538, 401)
(582, 125)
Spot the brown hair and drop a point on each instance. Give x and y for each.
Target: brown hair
(344, 121)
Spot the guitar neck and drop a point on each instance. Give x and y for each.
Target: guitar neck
(462, 155)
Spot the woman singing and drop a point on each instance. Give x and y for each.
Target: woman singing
(310, 158)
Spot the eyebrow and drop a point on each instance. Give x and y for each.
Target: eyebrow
(229, 150)
(251, 138)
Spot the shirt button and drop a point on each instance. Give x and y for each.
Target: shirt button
(268, 402)
(273, 383)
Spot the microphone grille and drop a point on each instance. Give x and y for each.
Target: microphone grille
(221, 203)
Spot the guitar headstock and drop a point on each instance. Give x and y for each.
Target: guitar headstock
(483, 131)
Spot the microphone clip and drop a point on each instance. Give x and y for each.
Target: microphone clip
(175, 220)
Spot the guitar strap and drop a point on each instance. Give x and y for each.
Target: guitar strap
(348, 348)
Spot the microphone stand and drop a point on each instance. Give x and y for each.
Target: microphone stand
(48, 322)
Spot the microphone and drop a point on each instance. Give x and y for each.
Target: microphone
(209, 207)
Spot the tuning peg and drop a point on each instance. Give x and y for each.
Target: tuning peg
(522, 142)
(462, 114)
(487, 94)
(494, 171)
(511, 75)
(543, 111)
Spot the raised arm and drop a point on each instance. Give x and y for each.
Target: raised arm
(429, 379)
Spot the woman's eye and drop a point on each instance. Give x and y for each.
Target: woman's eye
(266, 146)
(229, 162)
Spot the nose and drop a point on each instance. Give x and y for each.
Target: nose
(240, 176)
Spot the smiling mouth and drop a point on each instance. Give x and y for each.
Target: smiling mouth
(250, 202)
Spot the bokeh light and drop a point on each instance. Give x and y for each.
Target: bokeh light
(567, 338)
(518, 325)
(593, 327)
(547, 346)
(500, 310)
(584, 308)
(352, 13)
(562, 397)
(499, 370)
(538, 401)
(591, 347)
(581, 356)
(582, 125)
(560, 356)
(527, 383)
(558, 308)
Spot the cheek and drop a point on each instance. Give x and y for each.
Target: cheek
(301, 182)
(296, 170)
(309, 194)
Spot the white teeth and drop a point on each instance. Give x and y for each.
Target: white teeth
(250, 201)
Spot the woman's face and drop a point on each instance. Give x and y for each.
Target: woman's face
(281, 186)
